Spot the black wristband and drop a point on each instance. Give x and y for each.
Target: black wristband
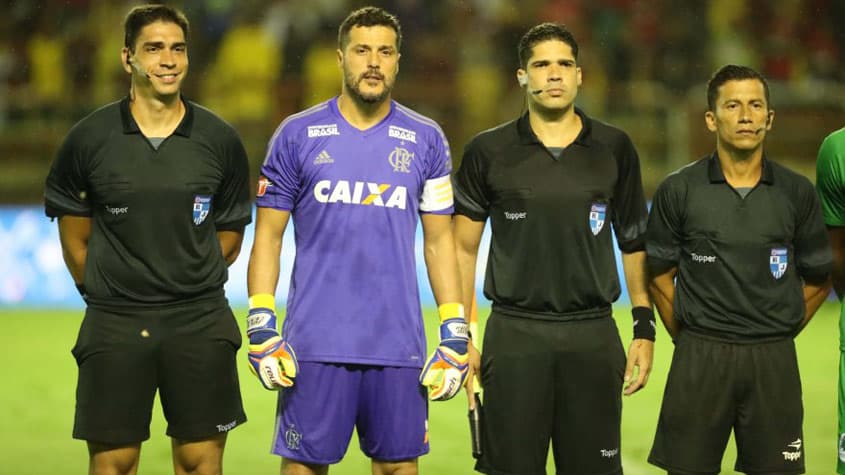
(644, 323)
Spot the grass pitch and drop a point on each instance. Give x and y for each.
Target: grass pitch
(39, 377)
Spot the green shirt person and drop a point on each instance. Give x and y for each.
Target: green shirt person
(830, 182)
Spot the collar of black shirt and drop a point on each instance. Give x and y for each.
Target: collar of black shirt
(131, 127)
(717, 175)
(527, 136)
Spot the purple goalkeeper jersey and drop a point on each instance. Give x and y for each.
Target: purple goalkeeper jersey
(355, 197)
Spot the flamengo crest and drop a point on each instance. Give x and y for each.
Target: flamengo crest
(400, 159)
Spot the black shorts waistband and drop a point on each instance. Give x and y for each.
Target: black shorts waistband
(579, 315)
(731, 339)
(195, 302)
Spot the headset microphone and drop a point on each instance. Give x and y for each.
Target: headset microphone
(523, 81)
(136, 67)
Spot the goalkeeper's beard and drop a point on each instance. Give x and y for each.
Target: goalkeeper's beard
(353, 85)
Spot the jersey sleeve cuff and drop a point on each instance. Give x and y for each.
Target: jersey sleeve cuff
(473, 215)
(267, 201)
(53, 211)
(657, 265)
(634, 245)
(816, 274)
(237, 225)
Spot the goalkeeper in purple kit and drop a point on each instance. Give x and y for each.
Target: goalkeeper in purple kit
(356, 173)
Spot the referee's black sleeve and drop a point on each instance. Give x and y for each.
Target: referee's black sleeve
(232, 202)
(471, 198)
(663, 236)
(630, 214)
(65, 192)
(812, 244)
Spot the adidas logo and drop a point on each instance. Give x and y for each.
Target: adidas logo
(322, 158)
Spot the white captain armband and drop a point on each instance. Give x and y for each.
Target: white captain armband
(437, 194)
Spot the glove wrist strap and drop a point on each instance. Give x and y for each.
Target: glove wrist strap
(453, 324)
(451, 310)
(263, 301)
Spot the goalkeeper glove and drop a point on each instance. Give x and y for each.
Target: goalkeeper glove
(270, 358)
(445, 371)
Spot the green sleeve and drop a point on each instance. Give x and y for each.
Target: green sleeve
(830, 178)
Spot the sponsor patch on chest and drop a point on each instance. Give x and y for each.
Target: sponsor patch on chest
(402, 134)
(322, 130)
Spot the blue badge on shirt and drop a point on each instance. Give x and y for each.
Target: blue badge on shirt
(778, 261)
(597, 215)
(202, 206)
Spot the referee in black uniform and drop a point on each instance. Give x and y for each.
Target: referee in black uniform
(553, 183)
(152, 197)
(739, 259)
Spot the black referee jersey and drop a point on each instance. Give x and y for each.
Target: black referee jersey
(740, 261)
(155, 211)
(551, 252)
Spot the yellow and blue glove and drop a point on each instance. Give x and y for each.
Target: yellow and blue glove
(446, 369)
(270, 358)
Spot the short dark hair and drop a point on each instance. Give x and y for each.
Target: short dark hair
(544, 32)
(732, 72)
(143, 15)
(368, 16)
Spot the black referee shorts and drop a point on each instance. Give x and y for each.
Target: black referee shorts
(186, 352)
(551, 381)
(715, 386)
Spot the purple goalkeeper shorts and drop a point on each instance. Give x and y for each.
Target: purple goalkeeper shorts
(387, 405)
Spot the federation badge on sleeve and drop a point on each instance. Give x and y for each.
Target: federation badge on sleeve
(202, 206)
(264, 183)
(778, 261)
(598, 212)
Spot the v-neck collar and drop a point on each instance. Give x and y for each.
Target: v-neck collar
(366, 132)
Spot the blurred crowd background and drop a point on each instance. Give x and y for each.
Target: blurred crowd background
(645, 64)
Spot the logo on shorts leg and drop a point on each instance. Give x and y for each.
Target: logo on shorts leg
(609, 453)
(292, 438)
(795, 454)
(226, 427)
